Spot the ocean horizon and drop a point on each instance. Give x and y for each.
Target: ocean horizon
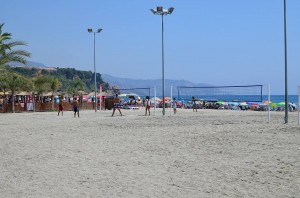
(245, 98)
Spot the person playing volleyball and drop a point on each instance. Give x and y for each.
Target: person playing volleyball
(116, 105)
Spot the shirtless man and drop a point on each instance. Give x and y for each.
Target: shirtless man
(76, 107)
(116, 105)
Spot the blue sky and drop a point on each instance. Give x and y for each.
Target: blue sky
(233, 42)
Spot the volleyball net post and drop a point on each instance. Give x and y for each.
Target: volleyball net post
(298, 104)
(171, 101)
(269, 100)
(154, 100)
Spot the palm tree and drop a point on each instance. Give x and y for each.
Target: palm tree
(14, 83)
(75, 86)
(3, 83)
(7, 54)
(54, 85)
(41, 85)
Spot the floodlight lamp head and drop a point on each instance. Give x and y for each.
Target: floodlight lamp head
(99, 30)
(159, 9)
(170, 10)
(90, 30)
(153, 11)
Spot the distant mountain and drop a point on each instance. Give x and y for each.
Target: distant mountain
(126, 83)
(29, 63)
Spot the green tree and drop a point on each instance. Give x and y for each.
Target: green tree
(54, 85)
(7, 54)
(41, 85)
(14, 82)
(4, 82)
(75, 87)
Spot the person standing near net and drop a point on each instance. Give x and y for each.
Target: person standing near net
(148, 105)
(174, 105)
(194, 105)
(116, 105)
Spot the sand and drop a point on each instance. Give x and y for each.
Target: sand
(209, 153)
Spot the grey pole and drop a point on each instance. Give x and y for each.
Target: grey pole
(286, 70)
(95, 80)
(162, 12)
(90, 30)
(163, 63)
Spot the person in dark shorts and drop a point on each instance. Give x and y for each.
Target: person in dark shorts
(116, 105)
(76, 107)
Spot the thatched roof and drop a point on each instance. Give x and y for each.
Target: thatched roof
(23, 93)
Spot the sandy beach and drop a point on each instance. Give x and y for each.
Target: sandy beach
(209, 153)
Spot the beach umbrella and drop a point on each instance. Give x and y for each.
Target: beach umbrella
(123, 95)
(220, 102)
(158, 100)
(266, 102)
(131, 97)
(233, 103)
(6, 93)
(167, 98)
(273, 105)
(23, 93)
(293, 104)
(92, 94)
(281, 104)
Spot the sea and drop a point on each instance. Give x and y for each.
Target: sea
(241, 98)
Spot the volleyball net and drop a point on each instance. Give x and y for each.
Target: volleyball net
(247, 93)
(132, 92)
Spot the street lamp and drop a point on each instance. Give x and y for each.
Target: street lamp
(285, 68)
(160, 11)
(90, 30)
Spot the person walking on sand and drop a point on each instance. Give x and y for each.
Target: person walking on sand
(116, 105)
(148, 105)
(174, 105)
(61, 106)
(194, 103)
(76, 107)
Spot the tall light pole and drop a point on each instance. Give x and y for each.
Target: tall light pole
(160, 11)
(285, 68)
(90, 30)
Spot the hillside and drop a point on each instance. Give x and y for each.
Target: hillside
(66, 75)
(125, 83)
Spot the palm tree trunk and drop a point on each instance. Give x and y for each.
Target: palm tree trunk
(52, 102)
(33, 101)
(13, 103)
